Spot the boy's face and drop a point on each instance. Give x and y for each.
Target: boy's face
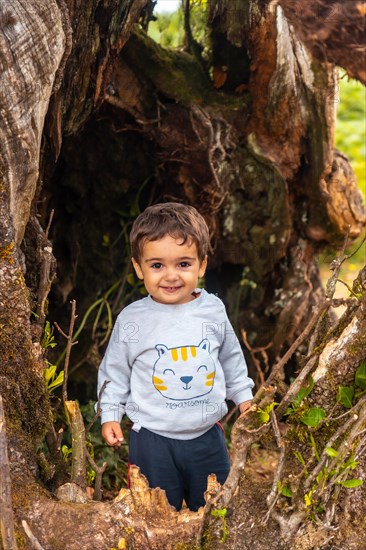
(170, 270)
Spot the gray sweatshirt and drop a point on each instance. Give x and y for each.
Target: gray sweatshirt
(171, 367)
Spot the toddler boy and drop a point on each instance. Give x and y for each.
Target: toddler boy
(172, 360)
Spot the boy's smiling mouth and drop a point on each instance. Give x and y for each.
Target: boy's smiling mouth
(171, 288)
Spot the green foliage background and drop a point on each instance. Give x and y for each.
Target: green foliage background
(168, 29)
(351, 126)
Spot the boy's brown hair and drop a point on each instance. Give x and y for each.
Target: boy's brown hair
(180, 221)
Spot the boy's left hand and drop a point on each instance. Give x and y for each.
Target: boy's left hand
(244, 406)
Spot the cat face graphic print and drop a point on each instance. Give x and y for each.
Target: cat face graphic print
(184, 373)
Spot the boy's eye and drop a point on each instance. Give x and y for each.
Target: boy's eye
(184, 264)
(157, 265)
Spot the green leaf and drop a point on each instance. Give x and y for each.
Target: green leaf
(48, 340)
(270, 407)
(345, 396)
(50, 372)
(360, 378)
(351, 483)
(320, 476)
(304, 392)
(300, 458)
(58, 382)
(351, 463)
(66, 451)
(331, 452)
(286, 492)
(263, 416)
(313, 417)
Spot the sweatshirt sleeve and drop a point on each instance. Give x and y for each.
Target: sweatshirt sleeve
(238, 384)
(115, 369)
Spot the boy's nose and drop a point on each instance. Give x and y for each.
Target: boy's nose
(171, 275)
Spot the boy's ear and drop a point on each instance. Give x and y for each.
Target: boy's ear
(137, 268)
(203, 266)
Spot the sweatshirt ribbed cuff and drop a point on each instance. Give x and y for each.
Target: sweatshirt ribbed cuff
(241, 396)
(112, 415)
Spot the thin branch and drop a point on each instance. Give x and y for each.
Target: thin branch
(45, 282)
(357, 249)
(335, 266)
(69, 345)
(296, 385)
(299, 340)
(99, 471)
(343, 415)
(273, 495)
(35, 544)
(52, 213)
(276, 430)
(46, 271)
(253, 352)
(348, 287)
(337, 302)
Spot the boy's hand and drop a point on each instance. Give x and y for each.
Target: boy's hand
(245, 406)
(112, 433)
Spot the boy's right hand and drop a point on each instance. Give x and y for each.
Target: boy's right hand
(112, 433)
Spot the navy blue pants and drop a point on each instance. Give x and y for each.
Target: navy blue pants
(181, 467)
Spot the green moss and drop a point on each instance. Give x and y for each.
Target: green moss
(176, 74)
(3, 188)
(6, 252)
(25, 394)
(21, 539)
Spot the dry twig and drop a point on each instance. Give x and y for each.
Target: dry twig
(274, 494)
(253, 354)
(75, 419)
(34, 541)
(69, 345)
(297, 385)
(99, 471)
(278, 367)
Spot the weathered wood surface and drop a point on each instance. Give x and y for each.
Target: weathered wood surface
(333, 31)
(32, 44)
(6, 506)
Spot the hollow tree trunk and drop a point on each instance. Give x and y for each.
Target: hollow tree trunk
(255, 154)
